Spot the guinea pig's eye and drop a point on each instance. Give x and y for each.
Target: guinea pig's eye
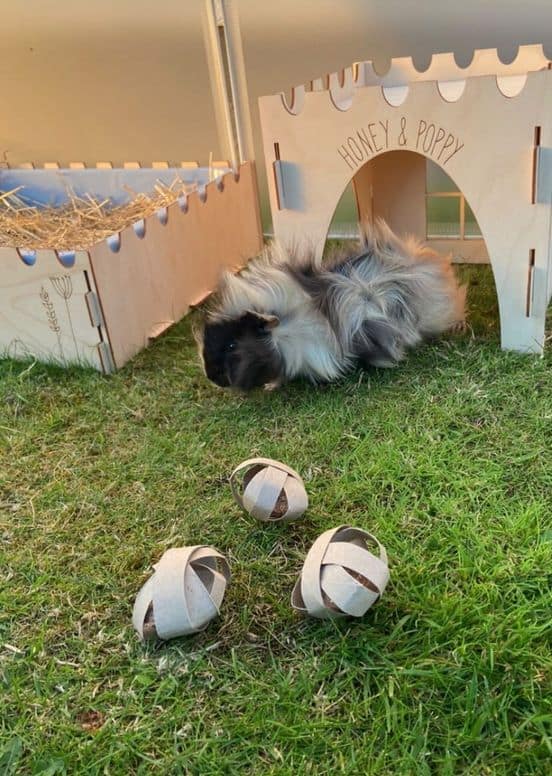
(231, 345)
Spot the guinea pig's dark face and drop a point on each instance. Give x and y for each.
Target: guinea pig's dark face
(239, 353)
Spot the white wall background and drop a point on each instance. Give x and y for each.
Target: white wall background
(104, 80)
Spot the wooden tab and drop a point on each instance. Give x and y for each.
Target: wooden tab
(279, 184)
(106, 358)
(543, 187)
(94, 308)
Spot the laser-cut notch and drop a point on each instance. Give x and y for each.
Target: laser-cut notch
(530, 282)
(278, 179)
(536, 144)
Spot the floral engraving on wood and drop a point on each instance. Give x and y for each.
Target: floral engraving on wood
(63, 286)
(51, 316)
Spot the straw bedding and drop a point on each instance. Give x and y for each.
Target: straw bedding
(79, 224)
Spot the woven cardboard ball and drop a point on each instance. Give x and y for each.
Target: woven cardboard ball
(340, 576)
(269, 490)
(183, 594)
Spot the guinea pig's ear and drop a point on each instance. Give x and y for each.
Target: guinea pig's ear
(266, 322)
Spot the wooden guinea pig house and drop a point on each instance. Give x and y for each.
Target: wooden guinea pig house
(101, 305)
(488, 126)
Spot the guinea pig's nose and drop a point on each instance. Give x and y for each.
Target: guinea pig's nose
(221, 379)
(231, 371)
(216, 375)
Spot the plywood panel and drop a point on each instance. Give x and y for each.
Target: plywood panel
(393, 187)
(290, 42)
(484, 140)
(44, 311)
(151, 282)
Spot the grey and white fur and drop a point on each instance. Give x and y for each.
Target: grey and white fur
(287, 316)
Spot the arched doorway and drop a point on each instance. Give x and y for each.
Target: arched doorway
(416, 196)
(489, 137)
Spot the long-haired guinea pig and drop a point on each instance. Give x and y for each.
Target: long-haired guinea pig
(289, 316)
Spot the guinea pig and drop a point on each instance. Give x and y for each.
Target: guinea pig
(287, 316)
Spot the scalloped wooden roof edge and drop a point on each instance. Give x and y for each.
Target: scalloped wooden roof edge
(402, 71)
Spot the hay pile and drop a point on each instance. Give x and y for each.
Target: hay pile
(82, 222)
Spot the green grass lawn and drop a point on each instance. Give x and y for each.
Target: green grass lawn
(446, 458)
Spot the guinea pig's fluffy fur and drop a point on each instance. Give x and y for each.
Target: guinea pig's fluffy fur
(288, 316)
